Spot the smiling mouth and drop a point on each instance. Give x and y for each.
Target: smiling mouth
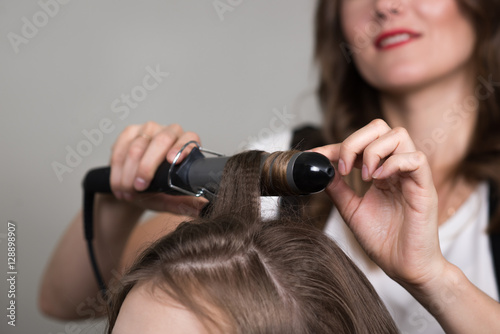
(388, 41)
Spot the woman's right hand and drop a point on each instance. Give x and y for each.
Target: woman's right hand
(136, 155)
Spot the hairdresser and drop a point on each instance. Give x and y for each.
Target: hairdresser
(408, 91)
(431, 166)
(428, 69)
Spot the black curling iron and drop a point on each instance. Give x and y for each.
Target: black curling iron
(198, 175)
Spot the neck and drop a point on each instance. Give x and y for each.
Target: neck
(440, 119)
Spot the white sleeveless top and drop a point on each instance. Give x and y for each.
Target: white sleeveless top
(463, 242)
(462, 238)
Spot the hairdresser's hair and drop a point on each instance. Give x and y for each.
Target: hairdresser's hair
(239, 274)
(349, 102)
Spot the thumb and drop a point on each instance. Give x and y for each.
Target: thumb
(343, 197)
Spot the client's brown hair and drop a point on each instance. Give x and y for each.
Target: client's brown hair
(239, 274)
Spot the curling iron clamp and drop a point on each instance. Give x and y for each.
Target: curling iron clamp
(197, 175)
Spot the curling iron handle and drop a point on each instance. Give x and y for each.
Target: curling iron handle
(97, 180)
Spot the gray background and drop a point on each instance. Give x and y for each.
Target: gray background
(227, 79)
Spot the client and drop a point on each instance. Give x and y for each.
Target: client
(232, 272)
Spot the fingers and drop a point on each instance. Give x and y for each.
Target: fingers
(356, 143)
(332, 152)
(367, 148)
(412, 164)
(182, 140)
(343, 197)
(135, 155)
(396, 141)
(118, 157)
(138, 152)
(379, 152)
(165, 144)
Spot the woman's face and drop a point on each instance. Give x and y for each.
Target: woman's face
(404, 44)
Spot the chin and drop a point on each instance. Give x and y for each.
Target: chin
(403, 80)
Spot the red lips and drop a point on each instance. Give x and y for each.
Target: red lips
(394, 38)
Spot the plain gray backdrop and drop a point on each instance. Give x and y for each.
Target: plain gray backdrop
(66, 68)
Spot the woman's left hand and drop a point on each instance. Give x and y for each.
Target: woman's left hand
(396, 220)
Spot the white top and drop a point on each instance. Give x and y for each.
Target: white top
(463, 241)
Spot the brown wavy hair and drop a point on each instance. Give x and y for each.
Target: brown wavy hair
(349, 102)
(239, 274)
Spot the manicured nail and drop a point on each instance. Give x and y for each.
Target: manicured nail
(140, 184)
(342, 168)
(364, 173)
(377, 173)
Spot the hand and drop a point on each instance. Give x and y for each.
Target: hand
(396, 220)
(136, 155)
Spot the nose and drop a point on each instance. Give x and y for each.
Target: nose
(385, 9)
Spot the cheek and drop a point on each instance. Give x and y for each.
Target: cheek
(359, 29)
(357, 23)
(437, 10)
(449, 29)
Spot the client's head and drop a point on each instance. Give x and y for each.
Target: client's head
(231, 272)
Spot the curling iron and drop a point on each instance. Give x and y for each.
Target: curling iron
(198, 175)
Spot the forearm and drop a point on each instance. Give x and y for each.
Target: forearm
(457, 304)
(69, 287)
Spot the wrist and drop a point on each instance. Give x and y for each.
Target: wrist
(436, 293)
(112, 211)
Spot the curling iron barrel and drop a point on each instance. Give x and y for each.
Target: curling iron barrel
(300, 173)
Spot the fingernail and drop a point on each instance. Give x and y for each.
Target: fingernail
(119, 194)
(377, 173)
(171, 156)
(342, 169)
(364, 173)
(140, 184)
